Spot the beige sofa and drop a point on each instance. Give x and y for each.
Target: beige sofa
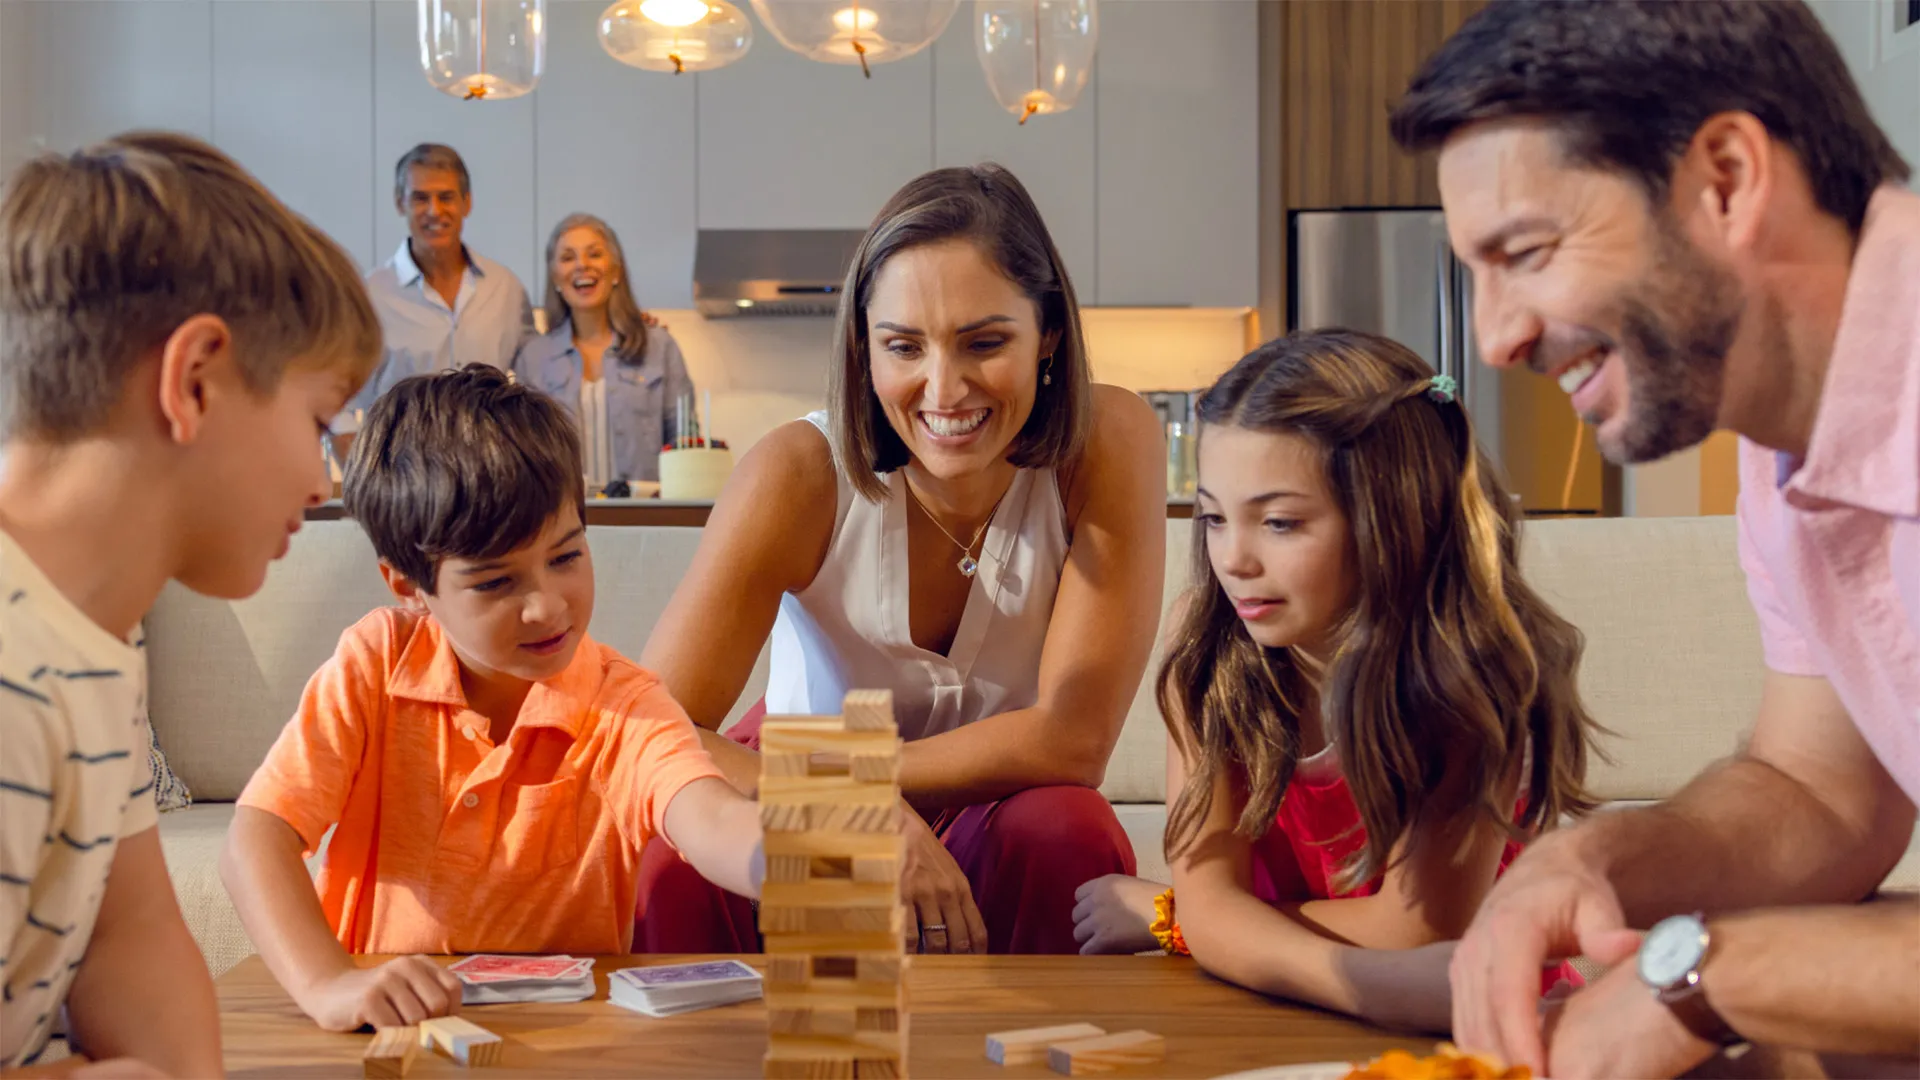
(1672, 666)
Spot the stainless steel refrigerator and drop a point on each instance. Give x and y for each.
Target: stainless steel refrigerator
(1392, 272)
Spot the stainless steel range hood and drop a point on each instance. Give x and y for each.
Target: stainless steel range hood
(741, 272)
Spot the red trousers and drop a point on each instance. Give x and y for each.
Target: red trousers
(1024, 855)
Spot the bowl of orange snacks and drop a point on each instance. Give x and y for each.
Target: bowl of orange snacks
(1447, 1062)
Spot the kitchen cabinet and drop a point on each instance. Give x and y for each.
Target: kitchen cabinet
(790, 143)
(494, 137)
(1178, 154)
(1347, 63)
(616, 142)
(1052, 155)
(293, 103)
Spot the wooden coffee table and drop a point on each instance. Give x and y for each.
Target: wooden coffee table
(1211, 1028)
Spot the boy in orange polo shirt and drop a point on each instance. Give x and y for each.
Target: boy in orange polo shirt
(492, 771)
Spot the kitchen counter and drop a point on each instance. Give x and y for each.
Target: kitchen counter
(660, 511)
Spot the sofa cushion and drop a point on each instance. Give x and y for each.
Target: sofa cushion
(191, 839)
(226, 675)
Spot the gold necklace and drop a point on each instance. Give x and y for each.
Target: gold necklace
(967, 565)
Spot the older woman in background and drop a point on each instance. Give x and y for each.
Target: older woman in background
(619, 374)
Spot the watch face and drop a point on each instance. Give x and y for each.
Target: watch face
(1671, 949)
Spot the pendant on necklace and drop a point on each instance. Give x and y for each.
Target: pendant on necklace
(967, 565)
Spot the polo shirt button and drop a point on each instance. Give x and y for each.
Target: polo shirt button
(470, 801)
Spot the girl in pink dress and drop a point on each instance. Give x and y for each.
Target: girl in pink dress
(1369, 710)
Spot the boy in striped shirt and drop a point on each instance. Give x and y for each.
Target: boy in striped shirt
(173, 341)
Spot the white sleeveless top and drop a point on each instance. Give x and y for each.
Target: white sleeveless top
(850, 629)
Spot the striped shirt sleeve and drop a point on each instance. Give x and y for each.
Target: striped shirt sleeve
(27, 769)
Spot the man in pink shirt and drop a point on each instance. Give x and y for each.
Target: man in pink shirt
(1685, 214)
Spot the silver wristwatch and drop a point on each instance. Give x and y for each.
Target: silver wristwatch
(1671, 956)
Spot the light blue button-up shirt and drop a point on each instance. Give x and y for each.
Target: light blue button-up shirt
(487, 323)
(642, 398)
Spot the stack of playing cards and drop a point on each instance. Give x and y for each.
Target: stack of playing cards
(497, 980)
(676, 988)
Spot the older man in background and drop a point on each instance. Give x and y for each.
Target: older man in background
(441, 305)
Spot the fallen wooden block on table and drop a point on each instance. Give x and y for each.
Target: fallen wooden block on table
(391, 1053)
(1106, 1053)
(1030, 1045)
(462, 1040)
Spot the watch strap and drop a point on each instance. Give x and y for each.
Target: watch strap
(1697, 1015)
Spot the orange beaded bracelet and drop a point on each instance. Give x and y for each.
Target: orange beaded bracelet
(1164, 929)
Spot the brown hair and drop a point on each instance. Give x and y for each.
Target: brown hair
(430, 156)
(987, 205)
(463, 464)
(1449, 669)
(1628, 83)
(105, 252)
(623, 312)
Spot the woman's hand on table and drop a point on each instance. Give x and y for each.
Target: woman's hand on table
(941, 914)
(398, 993)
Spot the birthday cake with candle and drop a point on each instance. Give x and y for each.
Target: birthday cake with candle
(693, 466)
(695, 472)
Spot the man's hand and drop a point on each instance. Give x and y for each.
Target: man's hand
(1551, 904)
(1616, 1027)
(398, 993)
(940, 909)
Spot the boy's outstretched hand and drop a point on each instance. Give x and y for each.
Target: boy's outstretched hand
(398, 993)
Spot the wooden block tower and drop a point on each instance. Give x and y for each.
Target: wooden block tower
(830, 907)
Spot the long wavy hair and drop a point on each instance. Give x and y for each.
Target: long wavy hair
(623, 312)
(1448, 670)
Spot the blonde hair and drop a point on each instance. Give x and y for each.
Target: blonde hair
(105, 252)
(623, 311)
(987, 205)
(1450, 670)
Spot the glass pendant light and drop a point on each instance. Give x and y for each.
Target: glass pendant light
(477, 50)
(863, 32)
(1037, 53)
(675, 35)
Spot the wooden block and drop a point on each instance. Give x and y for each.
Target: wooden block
(840, 845)
(868, 710)
(826, 920)
(876, 1019)
(876, 868)
(807, 1020)
(878, 1069)
(840, 743)
(879, 969)
(825, 789)
(858, 819)
(789, 969)
(785, 764)
(462, 1040)
(859, 1044)
(808, 1069)
(783, 817)
(830, 892)
(834, 994)
(391, 1053)
(1105, 1053)
(874, 768)
(1030, 1045)
(788, 868)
